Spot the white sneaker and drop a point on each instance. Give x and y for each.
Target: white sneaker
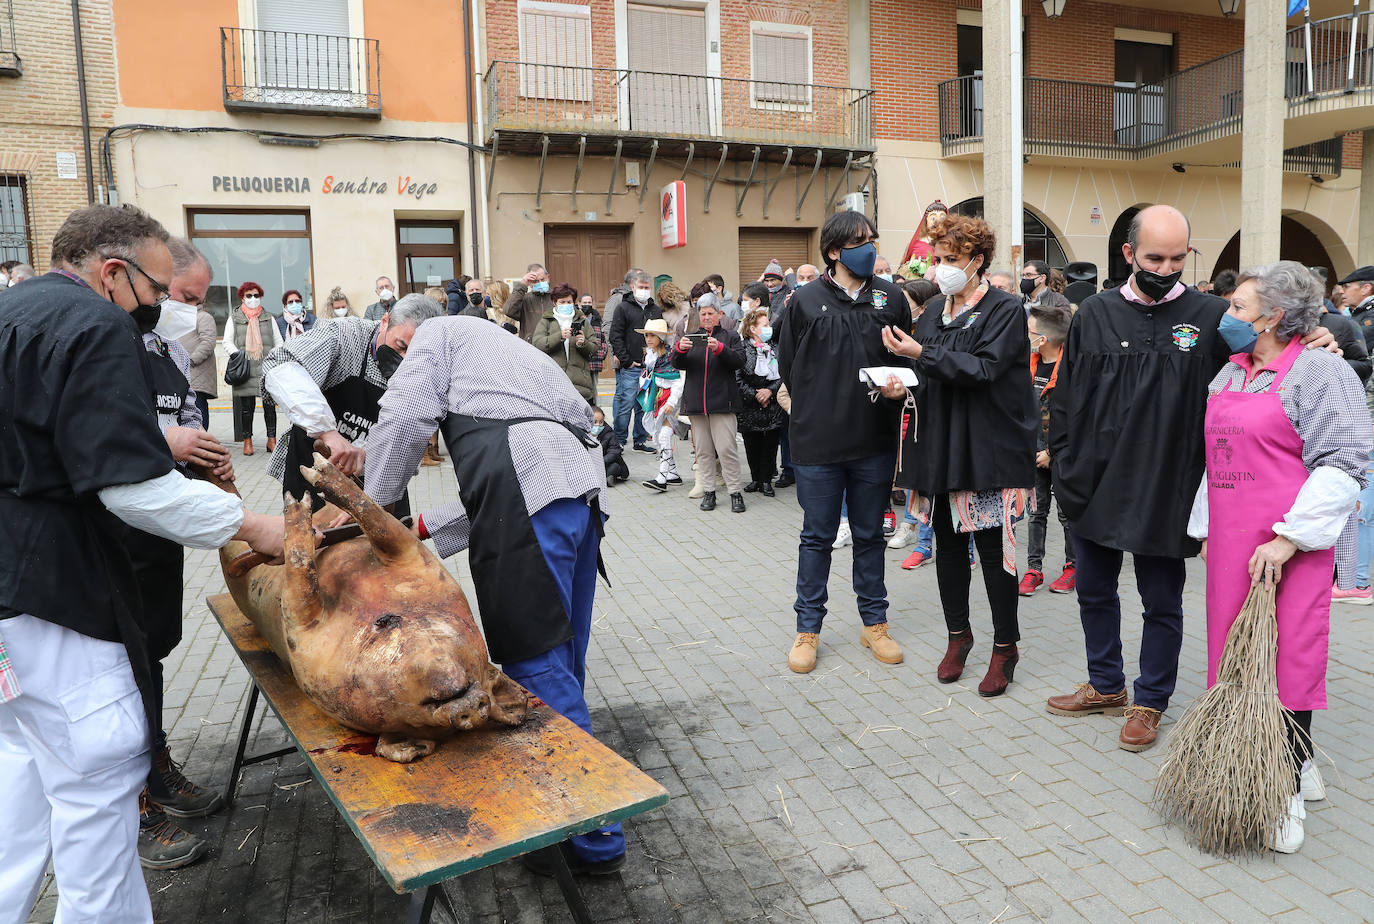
(1313, 789)
(844, 537)
(1289, 836)
(903, 537)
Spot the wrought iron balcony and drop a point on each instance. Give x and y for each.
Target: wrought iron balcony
(614, 104)
(298, 72)
(10, 64)
(1327, 70)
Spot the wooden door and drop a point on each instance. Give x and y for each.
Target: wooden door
(590, 258)
(791, 247)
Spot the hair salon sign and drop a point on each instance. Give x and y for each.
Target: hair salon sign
(330, 185)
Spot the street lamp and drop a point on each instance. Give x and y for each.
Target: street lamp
(1229, 8)
(1055, 8)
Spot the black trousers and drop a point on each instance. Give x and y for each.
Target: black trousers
(1299, 741)
(203, 403)
(761, 451)
(1039, 524)
(953, 575)
(244, 406)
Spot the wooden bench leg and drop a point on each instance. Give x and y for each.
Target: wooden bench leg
(571, 894)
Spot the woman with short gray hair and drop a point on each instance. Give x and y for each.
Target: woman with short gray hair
(1287, 437)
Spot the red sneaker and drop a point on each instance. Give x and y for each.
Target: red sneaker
(916, 559)
(889, 522)
(1030, 583)
(1066, 581)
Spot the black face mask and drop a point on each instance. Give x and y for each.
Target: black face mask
(1153, 285)
(1027, 286)
(145, 316)
(474, 299)
(388, 361)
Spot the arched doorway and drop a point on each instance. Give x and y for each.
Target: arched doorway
(1038, 241)
(1296, 242)
(1118, 270)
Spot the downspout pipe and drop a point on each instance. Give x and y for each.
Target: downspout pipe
(85, 109)
(472, 155)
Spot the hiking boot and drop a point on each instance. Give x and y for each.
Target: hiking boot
(802, 658)
(737, 502)
(1085, 700)
(956, 653)
(884, 648)
(1000, 671)
(188, 800)
(1141, 729)
(161, 844)
(708, 501)
(1065, 583)
(1030, 583)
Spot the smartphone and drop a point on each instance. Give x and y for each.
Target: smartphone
(577, 327)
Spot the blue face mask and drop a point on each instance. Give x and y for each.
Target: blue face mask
(597, 428)
(541, 287)
(765, 334)
(859, 260)
(1238, 334)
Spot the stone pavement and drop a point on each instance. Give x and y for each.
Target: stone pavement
(860, 792)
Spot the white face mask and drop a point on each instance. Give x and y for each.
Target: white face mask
(746, 305)
(176, 321)
(340, 312)
(642, 295)
(386, 295)
(950, 278)
(252, 301)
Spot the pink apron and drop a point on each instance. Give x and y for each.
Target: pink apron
(1254, 472)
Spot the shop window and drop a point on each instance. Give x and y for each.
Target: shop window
(271, 248)
(555, 50)
(427, 253)
(781, 65)
(15, 240)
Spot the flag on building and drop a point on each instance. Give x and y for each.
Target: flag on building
(1296, 6)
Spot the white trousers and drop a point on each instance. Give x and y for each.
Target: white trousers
(73, 759)
(667, 460)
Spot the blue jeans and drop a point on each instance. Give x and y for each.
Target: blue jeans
(1160, 583)
(624, 406)
(1366, 533)
(864, 487)
(569, 542)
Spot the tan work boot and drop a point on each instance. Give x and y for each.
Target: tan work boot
(884, 648)
(802, 658)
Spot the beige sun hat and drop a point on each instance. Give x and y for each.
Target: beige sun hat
(656, 326)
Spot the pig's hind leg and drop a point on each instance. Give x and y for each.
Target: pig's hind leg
(391, 541)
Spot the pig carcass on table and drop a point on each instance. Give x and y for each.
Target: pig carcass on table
(376, 631)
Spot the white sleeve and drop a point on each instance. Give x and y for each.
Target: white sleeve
(1200, 515)
(193, 513)
(229, 347)
(291, 386)
(1321, 510)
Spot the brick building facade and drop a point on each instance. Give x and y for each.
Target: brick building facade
(40, 120)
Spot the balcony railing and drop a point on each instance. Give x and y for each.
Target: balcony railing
(1202, 103)
(298, 72)
(10, 64)
(550, 98)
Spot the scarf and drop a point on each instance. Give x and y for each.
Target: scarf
(253, 340)
(765, 362)
(294, 326)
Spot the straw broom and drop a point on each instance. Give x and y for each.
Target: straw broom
(1229, 775)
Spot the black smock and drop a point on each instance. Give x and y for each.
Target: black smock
(976, 414)
(1126, 420)
(76, 416)
(824, 338)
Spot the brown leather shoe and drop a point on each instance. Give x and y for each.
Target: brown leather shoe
(1085, 700)
(248, 446)
(271, 444)
(1000, 671)
(952, 664)
(1141, 728)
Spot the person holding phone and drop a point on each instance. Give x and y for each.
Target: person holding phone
(709, 358)
(563, 333)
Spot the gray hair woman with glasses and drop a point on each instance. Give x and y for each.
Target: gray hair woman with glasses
(1287, 436)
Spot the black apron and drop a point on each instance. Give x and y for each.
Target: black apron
(158, 561)
(522, 611)
(356, 403)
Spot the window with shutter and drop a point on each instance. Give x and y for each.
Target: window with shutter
(555, 50)
(302, 45)
(781, 66)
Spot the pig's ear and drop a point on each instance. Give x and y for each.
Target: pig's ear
(509, 701)
(391, 541)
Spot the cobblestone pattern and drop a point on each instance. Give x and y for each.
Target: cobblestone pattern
(860, 792)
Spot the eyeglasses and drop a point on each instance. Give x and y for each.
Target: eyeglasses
(162, 293)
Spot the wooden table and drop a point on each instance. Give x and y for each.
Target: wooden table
(482, 797)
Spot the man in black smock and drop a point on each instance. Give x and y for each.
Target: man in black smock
(81, 456)
(1126, 433)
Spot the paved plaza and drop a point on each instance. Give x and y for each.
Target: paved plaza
(860, 792)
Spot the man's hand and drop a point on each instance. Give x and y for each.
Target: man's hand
(897, 341)
(1203, 553)
(196, 447)
(894, 388)
(264, 534)
(762, 396)
(1042, 459)
(530, 278)
(1267, 563)
(343, 519)
(343, 455)
(1322, 339)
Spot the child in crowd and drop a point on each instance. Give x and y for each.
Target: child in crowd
(611, 450)
(660, 394)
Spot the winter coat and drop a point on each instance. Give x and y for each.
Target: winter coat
(626, 342)
(571, 358)
(710, 386)
(526, 308)
(755, 417)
